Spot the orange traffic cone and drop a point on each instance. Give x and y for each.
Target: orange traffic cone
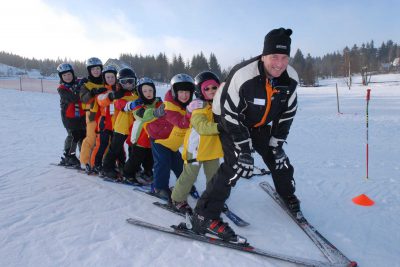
(363, 200)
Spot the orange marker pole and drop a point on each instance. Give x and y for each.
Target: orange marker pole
(368, 98)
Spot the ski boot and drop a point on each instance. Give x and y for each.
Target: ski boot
(111, 174)
(62, 161)
(182, 207)
(292, 203)
(147, 177)
(215, 227)
(72, 160)
(161, 193)
(131, 180)
(88, 169)
(97, 169)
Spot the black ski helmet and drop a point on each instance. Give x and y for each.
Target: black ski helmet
(127, 74)
(202, 77)
(139, 85)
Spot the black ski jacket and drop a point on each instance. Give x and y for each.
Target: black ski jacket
(242, 102)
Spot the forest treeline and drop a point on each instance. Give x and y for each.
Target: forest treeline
(357, 59)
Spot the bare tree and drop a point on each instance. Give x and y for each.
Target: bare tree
(347, 67)
(365, 75)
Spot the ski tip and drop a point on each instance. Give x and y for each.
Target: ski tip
(353, 264)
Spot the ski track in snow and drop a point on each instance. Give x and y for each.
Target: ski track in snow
(52, 216)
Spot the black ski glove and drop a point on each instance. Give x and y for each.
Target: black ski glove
(97, 91)
(245, 165)
(111, 95)
(281, 160)
(245, 162)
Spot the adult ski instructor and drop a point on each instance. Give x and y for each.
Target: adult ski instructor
(256, 106)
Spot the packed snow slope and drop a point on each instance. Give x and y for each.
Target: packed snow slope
(51, 216)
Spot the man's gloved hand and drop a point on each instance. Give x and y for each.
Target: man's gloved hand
(195, 104)
(244, 166)
(281, 160)
(159, 112)
(245, 162)
(97, 91)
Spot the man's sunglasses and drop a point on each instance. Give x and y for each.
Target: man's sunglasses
(209, 88)
(127, 80)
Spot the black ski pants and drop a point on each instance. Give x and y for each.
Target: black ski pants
(138, 156)
(115, 152)
(73, 140)
(211, 202)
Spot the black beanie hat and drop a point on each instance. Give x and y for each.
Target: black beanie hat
(277, 41)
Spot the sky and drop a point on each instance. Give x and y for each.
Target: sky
(232, 30)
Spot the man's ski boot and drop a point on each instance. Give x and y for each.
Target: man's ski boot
(293, 204)
(215, 227)
(182, 207)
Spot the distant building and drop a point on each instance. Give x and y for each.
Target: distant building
(118, 64)
(396, 63)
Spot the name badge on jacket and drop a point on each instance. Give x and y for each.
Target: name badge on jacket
(259, 101)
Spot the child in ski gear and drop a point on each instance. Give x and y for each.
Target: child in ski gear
(202, 146)
(90, 89)
(167, 133)
(123, 123)
(256, 104)
(105, 122)
(140, 151)
(72, 114)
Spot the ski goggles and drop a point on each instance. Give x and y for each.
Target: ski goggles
(127, 80)
(210, 88)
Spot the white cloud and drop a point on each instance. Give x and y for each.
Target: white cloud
(32, 29)
(35, 29)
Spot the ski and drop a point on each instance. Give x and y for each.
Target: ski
(234, 218)
(168, 207)
(92, 173)
(124, 182)
(333, 254)
(231, 216)
(180, 230)
(147, 190)
(70, 167)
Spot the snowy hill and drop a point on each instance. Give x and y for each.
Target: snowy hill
(10, 71)
(51, 216)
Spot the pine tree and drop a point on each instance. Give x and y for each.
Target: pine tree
(214, 65)
(299, 64)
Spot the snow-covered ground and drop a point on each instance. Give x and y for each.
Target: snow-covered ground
(51, 216)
